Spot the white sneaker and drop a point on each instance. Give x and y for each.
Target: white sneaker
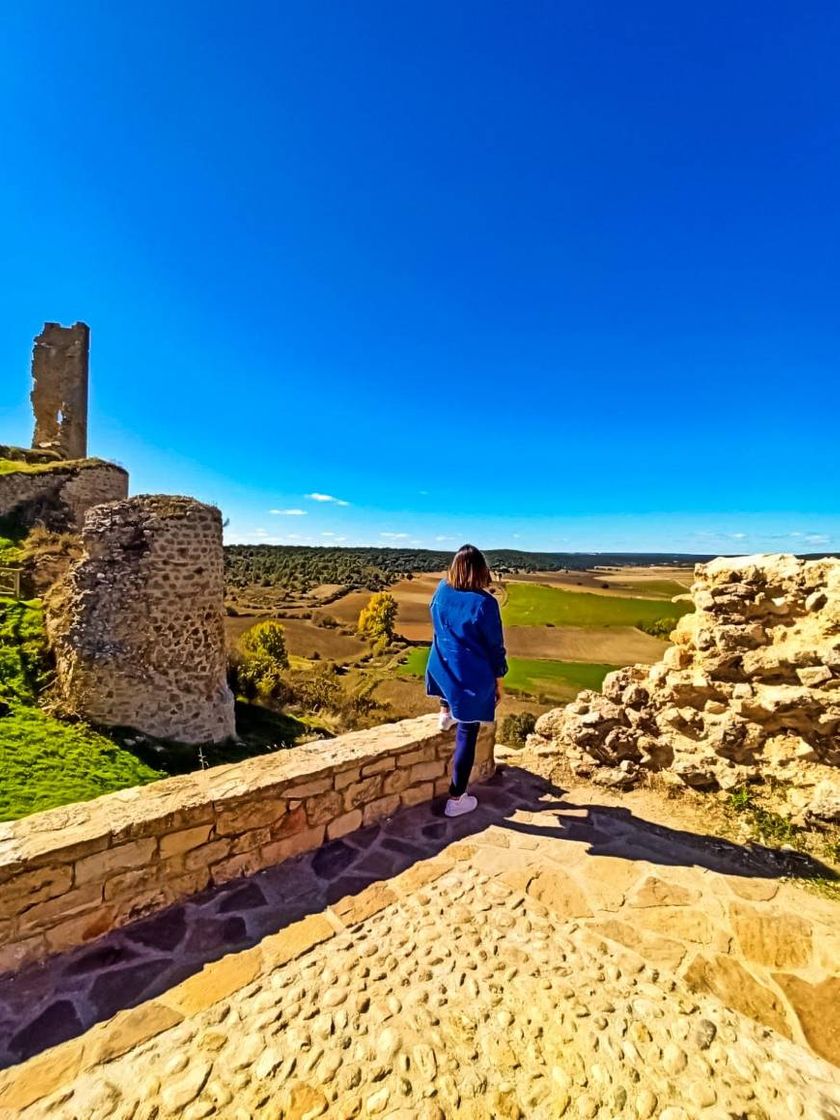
(457, 806)
(446, 721)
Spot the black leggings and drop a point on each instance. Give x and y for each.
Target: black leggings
(466, 737)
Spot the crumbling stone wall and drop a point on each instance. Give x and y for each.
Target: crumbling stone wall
(137, 625)
(58, 495)
(750, 689)
(60, 389)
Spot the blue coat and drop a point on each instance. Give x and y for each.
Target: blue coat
(467, 654)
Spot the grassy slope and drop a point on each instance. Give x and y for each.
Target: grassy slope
(538, 677)
(532, 604)
(45, 763)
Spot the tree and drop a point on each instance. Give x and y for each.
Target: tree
(266, 639)
(376, 620)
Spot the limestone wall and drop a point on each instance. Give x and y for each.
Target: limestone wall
(137, 626)
(750, 689)
(60, 494)
(70, 874)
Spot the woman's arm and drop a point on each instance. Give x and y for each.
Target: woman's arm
(494, 640)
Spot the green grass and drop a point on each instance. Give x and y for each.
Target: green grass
(45, 763)
(532, 604)
(667, 588)
(554, 680)
(23, 649)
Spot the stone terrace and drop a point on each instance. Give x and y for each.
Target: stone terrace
(548, 956)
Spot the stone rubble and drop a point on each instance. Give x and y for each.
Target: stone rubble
(749, 690)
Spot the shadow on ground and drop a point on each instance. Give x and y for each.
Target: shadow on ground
(49, 1003)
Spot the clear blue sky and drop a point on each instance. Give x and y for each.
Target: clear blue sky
(558, 275)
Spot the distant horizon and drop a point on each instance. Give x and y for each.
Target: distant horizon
(661, 555)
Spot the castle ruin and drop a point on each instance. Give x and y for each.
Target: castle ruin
(60, 389)
(137, 625)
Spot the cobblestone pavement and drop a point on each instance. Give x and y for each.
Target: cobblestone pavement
(542, 958)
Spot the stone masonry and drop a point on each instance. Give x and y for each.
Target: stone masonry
(750, 690)
(70, 875)
(547, 956)
(137, 625)
(58, 495)
(60, 389)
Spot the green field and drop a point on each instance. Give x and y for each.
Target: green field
(532, 604)
(661, 588)
(556, 680)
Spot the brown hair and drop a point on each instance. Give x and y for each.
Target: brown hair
(469, 570)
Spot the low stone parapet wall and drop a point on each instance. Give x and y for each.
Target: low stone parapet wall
(69, 875)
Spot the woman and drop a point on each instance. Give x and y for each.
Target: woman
(466, 663)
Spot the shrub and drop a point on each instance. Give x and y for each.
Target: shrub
(516, 728)
(319, 690)
(658, 627)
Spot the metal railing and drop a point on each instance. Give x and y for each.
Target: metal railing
(10, 582)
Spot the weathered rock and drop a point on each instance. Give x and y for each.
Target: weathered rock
(750, 689)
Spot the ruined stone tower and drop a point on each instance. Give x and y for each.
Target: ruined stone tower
(60, 389)
(138, 625)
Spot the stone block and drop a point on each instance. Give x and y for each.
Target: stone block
(382, 807)
(295, 940)
(233, 867)
(248, 815)
(76, 931)
(426, 771)
(127, 1030)
(397, 780)
(326, 807)
(215, 982)
(207, 854)
(184, 841)
(289, 823)
(379, 766)
(359, 907)
(54, 910)
(24, 1085)
(816, 1007)
(309, 789)
(305, 841)
(726, 978)
(344, 824)
(368, 789)
(416, 795)
(33, 887)
(773, 940)
(347, 777)
(426, 753)
(17, 954)
(102, 865)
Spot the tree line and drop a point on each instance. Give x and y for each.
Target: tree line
(302, 567)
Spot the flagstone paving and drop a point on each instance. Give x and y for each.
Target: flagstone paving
(547, 956)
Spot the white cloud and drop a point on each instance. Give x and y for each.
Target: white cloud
(316, 497)
(738, 536)
(288, 512)
(443, 538)
(395, 536)
(328, 534)
(816, 538)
